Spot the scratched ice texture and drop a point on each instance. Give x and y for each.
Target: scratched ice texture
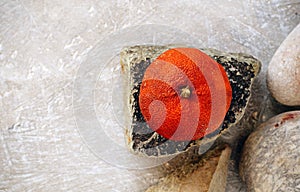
(44, 43)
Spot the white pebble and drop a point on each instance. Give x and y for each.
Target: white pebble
(270, 158)
(284, 71)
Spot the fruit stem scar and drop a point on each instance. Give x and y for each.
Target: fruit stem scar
(185, 92)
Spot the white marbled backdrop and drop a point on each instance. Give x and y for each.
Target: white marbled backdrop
(43, 44)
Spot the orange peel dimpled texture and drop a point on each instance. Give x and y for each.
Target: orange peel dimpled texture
(184, 94)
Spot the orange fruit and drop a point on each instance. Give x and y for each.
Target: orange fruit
(184, 94)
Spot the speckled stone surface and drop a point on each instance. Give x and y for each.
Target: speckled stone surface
(270, 160)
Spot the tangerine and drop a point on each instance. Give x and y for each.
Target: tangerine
(184, 94)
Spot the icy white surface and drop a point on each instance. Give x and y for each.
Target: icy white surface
(44, 43)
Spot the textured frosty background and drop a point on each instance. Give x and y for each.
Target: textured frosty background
(42, 45)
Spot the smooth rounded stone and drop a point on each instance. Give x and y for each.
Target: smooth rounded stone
(271, 155)
(284, 71)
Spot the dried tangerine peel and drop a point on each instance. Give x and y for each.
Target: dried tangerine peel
(184, 94)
